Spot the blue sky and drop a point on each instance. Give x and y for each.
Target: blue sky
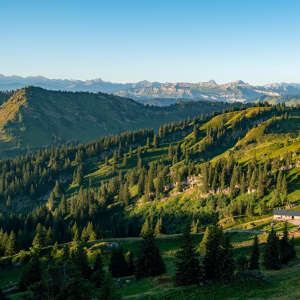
(126, 41)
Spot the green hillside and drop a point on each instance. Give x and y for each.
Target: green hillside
(34, 118)
(232, 168)
(248, 140)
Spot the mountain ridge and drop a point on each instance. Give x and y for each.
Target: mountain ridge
(34, 117)
(157, 93)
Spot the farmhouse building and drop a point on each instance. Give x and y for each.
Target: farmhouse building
(282, 214)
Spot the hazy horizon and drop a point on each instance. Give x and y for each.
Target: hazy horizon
(141, 80)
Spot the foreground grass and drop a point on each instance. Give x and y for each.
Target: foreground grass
(282, 284)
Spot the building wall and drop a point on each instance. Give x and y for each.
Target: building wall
(280, 217)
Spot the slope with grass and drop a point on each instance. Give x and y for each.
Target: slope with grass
(274, 284)
(34, 118)
(232, 167)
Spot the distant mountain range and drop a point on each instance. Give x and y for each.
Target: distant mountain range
(157, 93)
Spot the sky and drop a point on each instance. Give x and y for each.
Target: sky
(167, 40)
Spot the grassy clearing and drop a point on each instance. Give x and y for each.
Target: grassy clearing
(278, 284)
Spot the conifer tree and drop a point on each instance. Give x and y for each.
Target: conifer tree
(31, 274)
(223, 179)
(108, 290)
(63, 206)
(92, 236)
(195, 132)
(124, 163)
(76, 287)
(147, 226)
(213, 258)
(10, 248)
(159, 186)
(54, 250)
(80, 261)
(284, 191)
(155, 141)
(8, 201)
(286, 249)
(203, 242)
(187, 265)
(141, 183)
(98, 272)
(195, 227)
(50, 202)
(65, 253)
(125, 194)
(284, 246)
(57, 189)
(118, 265)
(139, 163)
(48, 237)
(149, 262)
(84, 235)
(254, 259)
(75, 232)
(227, 262)
(243, 184)
(271, 257)
(292, 248)
(242, 263)
(158, 227)
(279, 181)
(130, 263)
(149, 183)
(40, 237)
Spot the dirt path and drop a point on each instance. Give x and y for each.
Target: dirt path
(244, 231)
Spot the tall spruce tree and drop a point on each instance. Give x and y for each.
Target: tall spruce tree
(80, 261)
(149, 262)
(292, 248)
(203, 242)
(75, 232)
(10, 248)
(227, 262)
(158, 227)
(39, 240)
(118, 265)
(76, 287)
(213, 259)
(98, 272)
(31, 274)
(130, 263)
(108, 290)
(147, 226)
(284, 246)
(187, 265)
(254, 259)
(271, 257)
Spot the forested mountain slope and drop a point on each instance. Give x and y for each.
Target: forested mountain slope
(242, 162)
(33, 118)
(231, 168)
